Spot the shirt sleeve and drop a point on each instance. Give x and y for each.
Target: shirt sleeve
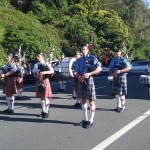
(35, 68)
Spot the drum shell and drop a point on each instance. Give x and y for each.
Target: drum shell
(145, 79)
(65, 67)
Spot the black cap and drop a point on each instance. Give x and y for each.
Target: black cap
(40, 53)
(118, 50)
(84, 44)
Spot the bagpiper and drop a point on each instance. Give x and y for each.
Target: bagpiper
(8, 73)
(118, 68)
(41, 72)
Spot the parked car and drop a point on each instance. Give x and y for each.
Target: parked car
(139, 67)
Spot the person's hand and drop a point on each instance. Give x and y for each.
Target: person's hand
(86, 75)
(118, 72)
(81, 78)
(2, 75)
(114, 74)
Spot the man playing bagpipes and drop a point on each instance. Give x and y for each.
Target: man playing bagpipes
(8, 75)
(87, 66)
(41, 72)
(118, 68)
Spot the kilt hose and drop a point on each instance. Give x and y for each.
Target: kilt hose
(47, 93)
(9, 87)
(86, 89)
(119, 85)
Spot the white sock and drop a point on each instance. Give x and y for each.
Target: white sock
(74, 93)
(12, 98)
(47, 104)
(123, 100)
(61, 85)
(118, 101)
(78, 100)
(8, 103)
(92, 110)
(64, 85)
(43, 105)
(84, 109)
(20, 92)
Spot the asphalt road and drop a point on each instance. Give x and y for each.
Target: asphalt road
(129, 130)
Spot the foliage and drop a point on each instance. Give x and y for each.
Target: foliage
(64, 24)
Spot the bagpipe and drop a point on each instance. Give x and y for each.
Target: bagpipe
(44, 67)
(89, 66)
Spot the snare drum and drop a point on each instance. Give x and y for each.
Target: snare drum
(145, 79)
(65, 67)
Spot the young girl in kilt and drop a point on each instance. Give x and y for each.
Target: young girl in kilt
(41, 71)
(9, 85)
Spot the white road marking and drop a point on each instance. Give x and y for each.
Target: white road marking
(121, 132)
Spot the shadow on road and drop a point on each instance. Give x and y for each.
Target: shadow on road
(33, 120)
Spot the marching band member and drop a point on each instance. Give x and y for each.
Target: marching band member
(9, 87)
(62, 78)
(75, 81)
(41, 72)
(86, 87)
(119, 67)
(19, 78)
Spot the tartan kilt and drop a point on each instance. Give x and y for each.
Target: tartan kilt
(19, 83)
(119, 85)
(9, 87)
(87, 90)
(47, 93)
(75, 83)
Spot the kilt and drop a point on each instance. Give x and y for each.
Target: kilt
(119, 85)
(47, 93)
(10, 88)
(86, 90)
(75, 83)
(19, 83)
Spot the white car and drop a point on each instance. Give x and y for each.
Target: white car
(139, 67)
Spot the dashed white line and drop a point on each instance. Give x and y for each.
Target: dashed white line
(121, 132)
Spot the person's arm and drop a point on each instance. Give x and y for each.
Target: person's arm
(124, 70)
(51, 71)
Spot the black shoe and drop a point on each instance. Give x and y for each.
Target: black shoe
(62, 90)
(119, 110)
(46, 115)
(116, 109)
(88, 125)
(81, 123)
(85, 124)
(8, 111)
(77, 105)
(73, 97)
(42, 114)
